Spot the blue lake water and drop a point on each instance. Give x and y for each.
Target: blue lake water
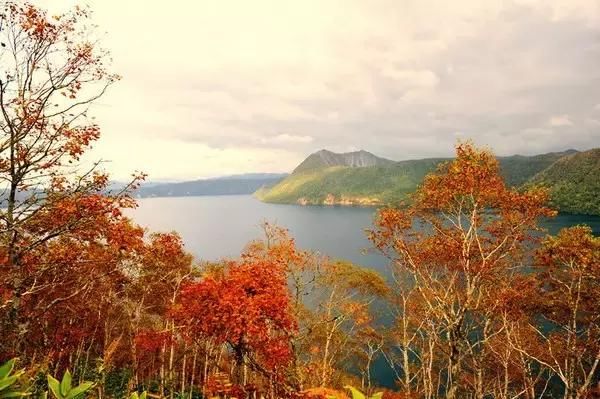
(214, 227)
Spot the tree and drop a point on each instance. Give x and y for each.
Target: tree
(333, 303)
(344, 297)
(50, 73)
(303, 270)
(568, 292)
(464, 234)
(246, 305)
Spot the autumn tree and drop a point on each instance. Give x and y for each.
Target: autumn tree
(246, 305)
(51, 71)
(565, 320)
(334, 303)
(303, 270)
(463, 234)
(343, 303)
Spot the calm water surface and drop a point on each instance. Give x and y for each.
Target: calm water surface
(214, 227)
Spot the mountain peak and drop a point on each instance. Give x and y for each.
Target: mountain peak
(325, 158)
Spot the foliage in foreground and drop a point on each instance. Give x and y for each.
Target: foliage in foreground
(9, 381)
(64, 388)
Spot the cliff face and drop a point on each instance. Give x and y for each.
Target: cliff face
(326, 159)
(343, 200)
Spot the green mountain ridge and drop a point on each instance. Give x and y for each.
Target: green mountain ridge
(574, 182)
(324, 182)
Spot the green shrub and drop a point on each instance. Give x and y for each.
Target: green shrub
(116, 383)
(64, 390)
(356, 394)
(9, 379)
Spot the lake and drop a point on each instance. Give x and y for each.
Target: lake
(213, 227)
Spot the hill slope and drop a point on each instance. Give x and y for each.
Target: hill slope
(369, 185)
(228, 185)
(574, 182)
(518, 169)
(391, 182)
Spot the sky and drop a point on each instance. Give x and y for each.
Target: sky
(214, 88)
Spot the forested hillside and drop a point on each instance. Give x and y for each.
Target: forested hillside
(393, 182)
(369, 185)
(574, 182)
(518, 169)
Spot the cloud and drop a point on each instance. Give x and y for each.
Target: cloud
(536, 131)
(256, 80)
(560, 120)
(593, 122)
(289, 138)
(411, 77)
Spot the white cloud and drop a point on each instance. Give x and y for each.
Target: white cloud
(290, 138)
(164, 159)
(560, 120)
(593, 122)
(536, 131)
(210, 91)
(411, 77)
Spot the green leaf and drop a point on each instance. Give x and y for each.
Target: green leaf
(8, 381)
(6, 368)
(80, 389)
(378, 395)
(356, 394)
(143, 395)
(54, 386)
(65, 384)
(13, 394)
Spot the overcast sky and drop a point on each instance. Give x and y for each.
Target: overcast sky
(214, 88)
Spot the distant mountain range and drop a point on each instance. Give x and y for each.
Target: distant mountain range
(227, 185)
(361, 178)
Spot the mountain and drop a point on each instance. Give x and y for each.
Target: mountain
(574, 182)
(329, 178)
(518, 169)
(227, 185)
(346, 185)
(324, 159)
